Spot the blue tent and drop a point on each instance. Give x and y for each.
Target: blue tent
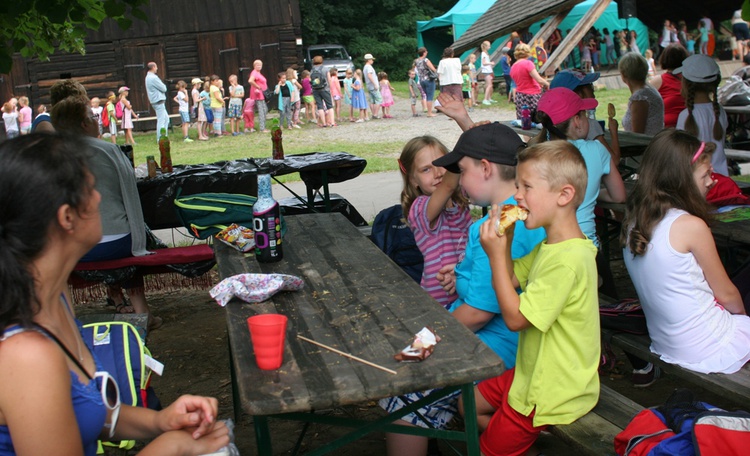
(441, 32)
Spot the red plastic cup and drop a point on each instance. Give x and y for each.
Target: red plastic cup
(268, 332)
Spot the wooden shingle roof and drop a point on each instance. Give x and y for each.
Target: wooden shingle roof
(506, 16)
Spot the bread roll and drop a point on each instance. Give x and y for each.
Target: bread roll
(508, 216)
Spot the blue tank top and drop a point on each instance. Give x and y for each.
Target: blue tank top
(89, 409)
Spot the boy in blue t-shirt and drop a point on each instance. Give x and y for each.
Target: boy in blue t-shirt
(485, 157)
(555, 380)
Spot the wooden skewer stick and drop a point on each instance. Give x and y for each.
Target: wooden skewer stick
(347, 355)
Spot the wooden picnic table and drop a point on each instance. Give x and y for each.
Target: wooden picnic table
(356, 300)
(631, 144)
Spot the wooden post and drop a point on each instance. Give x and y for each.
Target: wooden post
(575, 35)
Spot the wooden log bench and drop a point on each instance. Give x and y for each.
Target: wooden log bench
(734, 387)
(594, 433)
(173, 260)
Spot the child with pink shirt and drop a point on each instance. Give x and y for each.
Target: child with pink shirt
(24, 115)
(436, 211)
(335, 85)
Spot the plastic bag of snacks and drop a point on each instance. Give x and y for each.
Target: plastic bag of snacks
(237, 236)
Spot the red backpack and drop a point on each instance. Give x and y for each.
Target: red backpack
(105, 116)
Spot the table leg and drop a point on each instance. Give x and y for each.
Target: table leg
(471, 428)
(326, 192)
(262, 435)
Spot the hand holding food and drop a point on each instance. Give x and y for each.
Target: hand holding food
(509, 214)
(611, 110)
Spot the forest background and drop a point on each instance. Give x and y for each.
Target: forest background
(387, 29)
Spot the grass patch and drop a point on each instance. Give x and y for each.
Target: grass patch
(618, 97)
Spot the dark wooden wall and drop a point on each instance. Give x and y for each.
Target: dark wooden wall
(186, 39)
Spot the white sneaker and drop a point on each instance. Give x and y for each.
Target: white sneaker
(358, 121)
(187, 140)
(297, 126)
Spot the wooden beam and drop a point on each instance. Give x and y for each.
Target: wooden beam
(575, 36)
(543, 34)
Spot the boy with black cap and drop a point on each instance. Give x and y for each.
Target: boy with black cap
(485, 157)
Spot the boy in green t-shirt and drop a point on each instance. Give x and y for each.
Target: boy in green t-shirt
(555, 380)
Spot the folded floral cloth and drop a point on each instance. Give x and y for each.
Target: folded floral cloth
(254, 287)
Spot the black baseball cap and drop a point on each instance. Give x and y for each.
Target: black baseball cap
(494, 142)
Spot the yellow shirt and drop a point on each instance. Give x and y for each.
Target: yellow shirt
(214, 102)
(558, 356)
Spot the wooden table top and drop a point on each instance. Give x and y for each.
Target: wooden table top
(356, 300)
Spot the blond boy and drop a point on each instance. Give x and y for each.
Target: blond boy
(555, 380)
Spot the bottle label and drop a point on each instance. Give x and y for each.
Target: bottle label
(267, 229)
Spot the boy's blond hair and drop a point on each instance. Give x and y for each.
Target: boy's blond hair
(559, 163)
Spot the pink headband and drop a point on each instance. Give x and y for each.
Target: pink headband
(698, 153)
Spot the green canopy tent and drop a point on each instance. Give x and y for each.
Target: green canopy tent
(440, 32)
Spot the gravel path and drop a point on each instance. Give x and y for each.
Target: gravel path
(403, 126)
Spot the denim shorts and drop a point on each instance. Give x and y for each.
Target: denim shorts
(185, 115)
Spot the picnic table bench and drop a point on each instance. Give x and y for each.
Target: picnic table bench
(734, 387)
(90, 275)
(594, 433)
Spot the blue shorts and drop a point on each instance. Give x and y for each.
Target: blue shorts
(185, 115)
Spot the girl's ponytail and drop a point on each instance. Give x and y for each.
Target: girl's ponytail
(549, 131)
(718, 130)
(16, 282)
(691, 126)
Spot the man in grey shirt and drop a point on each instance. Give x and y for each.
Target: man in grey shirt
(373, 86)
(157, 95)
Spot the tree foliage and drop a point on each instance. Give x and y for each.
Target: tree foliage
(385, 28)
(37, 28)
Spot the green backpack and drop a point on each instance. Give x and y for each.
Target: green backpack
(205, 214)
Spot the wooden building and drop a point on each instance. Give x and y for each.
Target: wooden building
(186, 39)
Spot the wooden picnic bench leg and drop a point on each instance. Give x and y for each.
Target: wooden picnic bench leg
(262, 435)
(471, 427)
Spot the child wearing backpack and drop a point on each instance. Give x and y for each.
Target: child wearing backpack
(109, 120)
(703, 117)
(695, 314)
(555, 380)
